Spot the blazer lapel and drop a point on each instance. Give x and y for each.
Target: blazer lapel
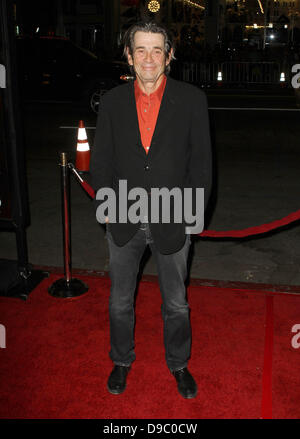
(167, 108)
(133, 122)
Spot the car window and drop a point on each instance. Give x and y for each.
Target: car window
(59, 52)
(49, 53)
(28, 52)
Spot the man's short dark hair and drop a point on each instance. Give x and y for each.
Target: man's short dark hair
(153, 27)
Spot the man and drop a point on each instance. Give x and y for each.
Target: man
(152, 133)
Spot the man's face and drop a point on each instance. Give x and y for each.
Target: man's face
(148, 58)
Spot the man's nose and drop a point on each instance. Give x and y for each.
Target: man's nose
(149, 57)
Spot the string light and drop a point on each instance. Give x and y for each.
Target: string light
(261, 7)
(154, 6)
(194, 4)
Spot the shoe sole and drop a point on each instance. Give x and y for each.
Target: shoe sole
(115, 392)
(189, 396)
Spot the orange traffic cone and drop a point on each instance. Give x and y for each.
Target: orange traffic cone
(83, 153)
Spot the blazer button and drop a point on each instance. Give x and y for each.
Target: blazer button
(147, 167)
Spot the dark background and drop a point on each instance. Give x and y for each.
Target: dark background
(254, 125)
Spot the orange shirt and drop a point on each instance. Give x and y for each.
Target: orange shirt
(147, 109)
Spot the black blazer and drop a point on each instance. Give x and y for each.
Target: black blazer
(179, 154)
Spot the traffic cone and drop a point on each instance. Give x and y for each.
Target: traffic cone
(83, 153)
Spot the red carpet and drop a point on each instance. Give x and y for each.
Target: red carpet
(56, 364)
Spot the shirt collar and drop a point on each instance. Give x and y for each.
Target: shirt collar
(157, 94)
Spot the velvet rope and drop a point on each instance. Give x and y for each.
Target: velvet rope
(256, 230)
(88, 189)
(250, 231)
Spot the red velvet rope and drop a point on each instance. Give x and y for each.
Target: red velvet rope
(256, 230)
(88, 188)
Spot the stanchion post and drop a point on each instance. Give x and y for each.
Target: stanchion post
(67, 286)
(65, 199)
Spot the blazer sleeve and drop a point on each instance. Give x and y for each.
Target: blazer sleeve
(101, 164)
(200, 163)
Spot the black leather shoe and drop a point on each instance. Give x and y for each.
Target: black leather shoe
(186, 384)
(116, 383)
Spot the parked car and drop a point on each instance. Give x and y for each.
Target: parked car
(54, 68)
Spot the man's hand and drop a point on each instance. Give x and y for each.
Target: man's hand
(106, 220)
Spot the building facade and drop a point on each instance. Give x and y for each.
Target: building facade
(98, 25)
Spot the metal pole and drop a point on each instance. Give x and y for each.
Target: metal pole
(67, 286)
(65, 185)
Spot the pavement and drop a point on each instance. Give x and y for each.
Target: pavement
(256, 180)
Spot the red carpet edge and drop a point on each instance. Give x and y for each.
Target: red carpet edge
(284, 289)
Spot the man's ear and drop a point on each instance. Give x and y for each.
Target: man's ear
(129, 57)
(168, 60)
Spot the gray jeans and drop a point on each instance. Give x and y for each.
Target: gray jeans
(172, 272)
